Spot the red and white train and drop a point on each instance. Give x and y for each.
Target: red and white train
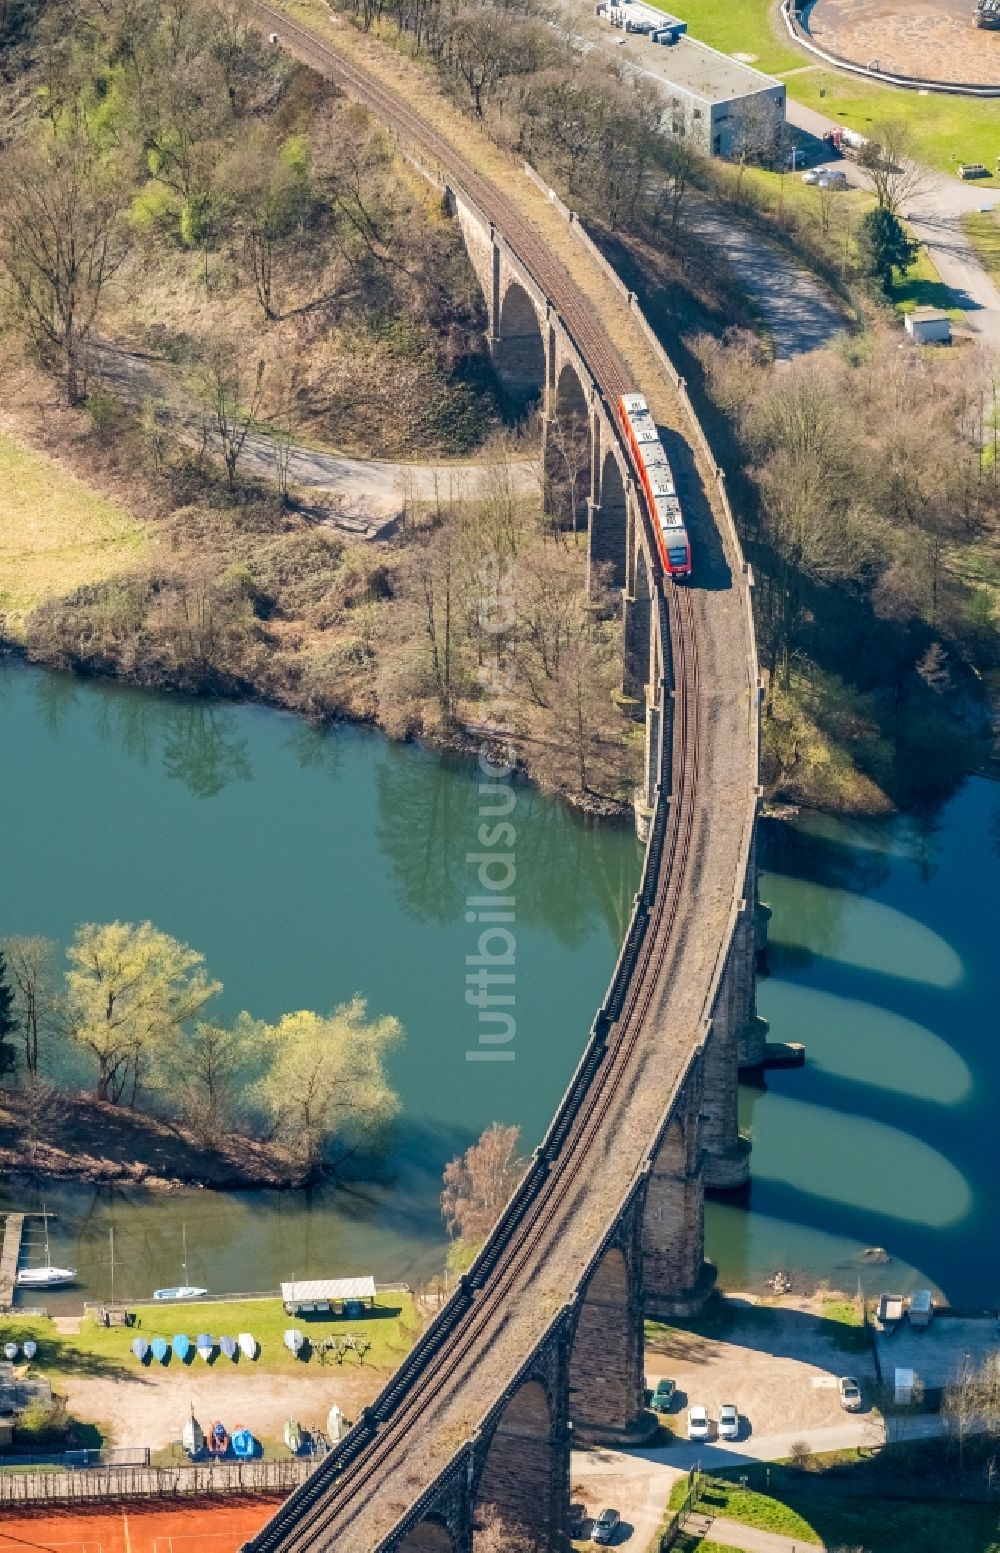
(657, 484)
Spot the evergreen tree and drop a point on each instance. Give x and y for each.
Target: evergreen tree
(883, 246)
(8, 1024)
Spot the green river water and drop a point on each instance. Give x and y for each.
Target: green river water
(309, 866)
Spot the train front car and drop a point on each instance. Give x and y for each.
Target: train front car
(658, 487)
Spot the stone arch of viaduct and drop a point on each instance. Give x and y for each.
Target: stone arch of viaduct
(538, 364)
(581, 1377)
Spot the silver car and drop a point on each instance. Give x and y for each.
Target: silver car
(605, 1526)
(729, 1421)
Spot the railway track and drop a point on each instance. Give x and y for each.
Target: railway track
(325, 1506)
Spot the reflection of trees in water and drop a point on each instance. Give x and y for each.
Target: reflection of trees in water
(55, 697)
(198, 742)
(570, 875)
(316, 749)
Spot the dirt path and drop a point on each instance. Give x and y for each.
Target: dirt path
(371, 492)
(150, 1408)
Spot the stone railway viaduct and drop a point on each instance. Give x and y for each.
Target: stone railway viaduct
(542, 1342)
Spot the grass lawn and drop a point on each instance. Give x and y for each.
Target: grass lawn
(746, 28)
(392, 1329)
(946, 130)
(56, 533)
(983, 232)
(922, 286)
(877, 1525)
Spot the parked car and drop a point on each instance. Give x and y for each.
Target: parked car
(813, 175)
(663, 1396)
(577, 1516)
(729, 1421)
(832, 178)
(698, 1425)
(606, 1526)
(850, 1394)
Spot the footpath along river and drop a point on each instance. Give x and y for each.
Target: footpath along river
(309, 866)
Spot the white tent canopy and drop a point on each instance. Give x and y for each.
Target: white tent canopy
(322, 1289)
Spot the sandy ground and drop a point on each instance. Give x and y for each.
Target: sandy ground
(929, 38)
(150, 1409)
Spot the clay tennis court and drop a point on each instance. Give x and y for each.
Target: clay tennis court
(931, 38)
(155, 1527)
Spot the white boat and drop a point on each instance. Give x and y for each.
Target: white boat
(336, 1425)
(184, 1290)
(248, 1344)
(140, 1348)
(30, 1348)
(10, 1351)
(46, 1277)
(193, 1437)
(294, 1340)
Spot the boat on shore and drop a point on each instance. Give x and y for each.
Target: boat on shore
(193, 1437)
(205, 1345)
(10, 1352)
(228, 1348)
(248, 1344)
(217, 1440)
(160, 1349)
(294, 1340)
(243, 1443)
(140, 1348)
(30, 1348)
(293, 1435)
(182, 1346)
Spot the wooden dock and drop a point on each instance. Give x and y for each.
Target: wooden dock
(13, 1232)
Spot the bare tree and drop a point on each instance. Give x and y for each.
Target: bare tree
(61, 241)
(477, 1184)
(234, 401)
(758, 136)
(36, 1004)
(887, 158)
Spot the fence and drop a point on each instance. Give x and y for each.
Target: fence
(678, 1518)
(108, 1456)
(101, 1483)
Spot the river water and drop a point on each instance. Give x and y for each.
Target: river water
(308, 866)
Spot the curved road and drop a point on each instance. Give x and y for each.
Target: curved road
(368, 493)
(934, 212)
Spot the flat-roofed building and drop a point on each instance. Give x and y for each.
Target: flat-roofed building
(714, 99)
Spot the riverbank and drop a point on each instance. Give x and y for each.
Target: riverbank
(63, 1136)
(241, 595)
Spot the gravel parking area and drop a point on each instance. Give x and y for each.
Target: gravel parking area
(778, 1364)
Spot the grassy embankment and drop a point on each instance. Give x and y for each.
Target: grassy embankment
(818, 1516)
(391, 1328)
(56, 533)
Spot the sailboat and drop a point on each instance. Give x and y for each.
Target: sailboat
(185, 1290)
(193, 1436)
(293, 1435)
(47, 1277)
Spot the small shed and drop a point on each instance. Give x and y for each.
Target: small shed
(928, 326)
(321, 1296)
(903, 1391)
(921, 1308)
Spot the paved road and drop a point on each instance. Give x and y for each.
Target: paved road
(639, 1482)
(934, 212)
(363, 495)
(734, 1534)
(800, 313)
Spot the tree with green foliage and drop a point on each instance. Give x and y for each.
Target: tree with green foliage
(130, 989)
(883, 246)
(327, 1079)
(8, 1021)
(205, 1077)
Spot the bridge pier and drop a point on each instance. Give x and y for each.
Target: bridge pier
(676, 1279)
(607, 1383)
